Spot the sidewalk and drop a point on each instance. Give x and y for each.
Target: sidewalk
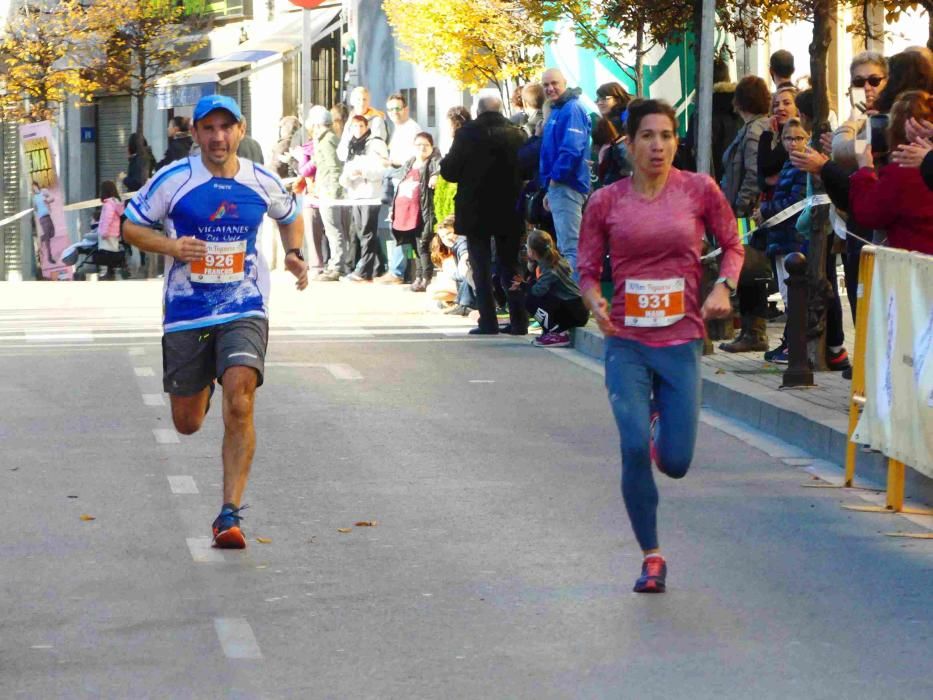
(745, 387)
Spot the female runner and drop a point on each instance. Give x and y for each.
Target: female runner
(652, 226)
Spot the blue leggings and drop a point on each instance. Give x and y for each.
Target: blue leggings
(634, 373)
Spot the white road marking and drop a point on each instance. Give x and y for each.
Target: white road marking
(182, 485)
(337, 370)
(482, 381)
(165, 436)
(153, 399)
(41, 646)
(144, 371)
(322, 331)
(202, 552)
(237, 638)
(72, 337)
(136, 350)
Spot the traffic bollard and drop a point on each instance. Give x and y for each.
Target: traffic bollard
(798, 372)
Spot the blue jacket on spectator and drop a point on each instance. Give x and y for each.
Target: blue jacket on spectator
(791, 188)
(566, 144)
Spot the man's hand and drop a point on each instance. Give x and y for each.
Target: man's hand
(717, 304)
(808, 160)
(911, 155)
(188, 249)
(864, 158)
(299, 268)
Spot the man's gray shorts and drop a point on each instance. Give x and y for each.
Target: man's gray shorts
(192, 359)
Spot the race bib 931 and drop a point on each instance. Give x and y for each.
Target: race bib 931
(654, 303)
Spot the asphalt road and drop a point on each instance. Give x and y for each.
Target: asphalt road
(501, 560)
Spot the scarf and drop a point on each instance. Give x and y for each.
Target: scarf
(357, 146)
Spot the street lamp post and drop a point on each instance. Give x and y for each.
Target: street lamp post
(705, 88)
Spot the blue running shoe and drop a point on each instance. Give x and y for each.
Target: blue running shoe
(653, 575)
(227, 533)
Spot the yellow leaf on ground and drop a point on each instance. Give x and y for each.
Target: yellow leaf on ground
(344, 529)
(366, 523)
(263, 540)
(86, 517)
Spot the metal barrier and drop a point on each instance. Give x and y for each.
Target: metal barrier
(894, 493)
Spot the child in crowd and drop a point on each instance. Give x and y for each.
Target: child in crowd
(453, 282)
(553, 299)
(783, 238)
(108, 228)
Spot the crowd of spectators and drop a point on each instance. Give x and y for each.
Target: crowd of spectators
(459, 222)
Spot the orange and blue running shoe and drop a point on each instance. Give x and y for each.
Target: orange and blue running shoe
(653, 577)
(227, 533)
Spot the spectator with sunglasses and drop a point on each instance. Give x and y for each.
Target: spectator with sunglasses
(869, 72)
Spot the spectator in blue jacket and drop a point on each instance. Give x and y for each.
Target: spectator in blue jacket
(564, 169)
(783, 237)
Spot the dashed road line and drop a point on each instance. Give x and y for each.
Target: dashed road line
(153, 399)
(202, 552)
(237, 638)
(182, 485)
(144, 371)
(165, 436)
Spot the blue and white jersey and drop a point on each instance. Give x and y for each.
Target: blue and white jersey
(232, 281)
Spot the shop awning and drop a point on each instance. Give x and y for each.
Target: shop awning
(187, 86)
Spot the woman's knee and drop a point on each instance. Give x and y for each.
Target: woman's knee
(677, 468)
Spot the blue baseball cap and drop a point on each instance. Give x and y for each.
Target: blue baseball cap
(209, 103)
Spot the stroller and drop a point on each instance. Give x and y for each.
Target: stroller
(85, 254)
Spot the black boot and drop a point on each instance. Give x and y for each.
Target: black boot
(518, 315)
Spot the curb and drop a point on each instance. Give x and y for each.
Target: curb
(819, 431)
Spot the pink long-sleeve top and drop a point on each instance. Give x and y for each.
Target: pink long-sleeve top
(898, 201)
(657, 239)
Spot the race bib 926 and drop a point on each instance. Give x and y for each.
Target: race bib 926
(223, 263)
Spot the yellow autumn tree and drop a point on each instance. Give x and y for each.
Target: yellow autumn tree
(39, 51)
(474, 43)
(139, 41)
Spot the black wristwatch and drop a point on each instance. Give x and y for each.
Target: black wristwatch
(296, 251)
(727, 284)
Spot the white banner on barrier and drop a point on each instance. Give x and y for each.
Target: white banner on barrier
(898, 415)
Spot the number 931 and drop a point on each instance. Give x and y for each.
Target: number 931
(654, 301)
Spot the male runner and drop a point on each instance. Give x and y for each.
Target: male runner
(216, 284)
